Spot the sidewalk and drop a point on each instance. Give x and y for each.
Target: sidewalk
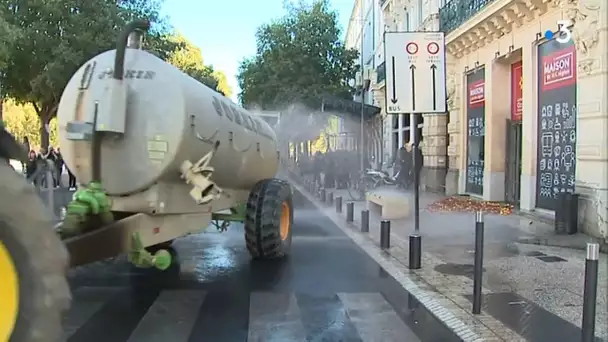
(531, 292)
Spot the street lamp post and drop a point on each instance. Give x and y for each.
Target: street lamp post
(361, 135)
(364, 88)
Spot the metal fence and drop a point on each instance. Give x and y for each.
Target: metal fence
(44, 180)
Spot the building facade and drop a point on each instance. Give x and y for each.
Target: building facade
(527, 84)
(528, 112)
(364, 34)
(528, 106)
(397, 130)
(431, 129)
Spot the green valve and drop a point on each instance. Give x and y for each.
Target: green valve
(162, 259)
(89, 202)
(140, 257)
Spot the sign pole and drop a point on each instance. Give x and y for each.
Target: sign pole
(415, 250)
(416, 63)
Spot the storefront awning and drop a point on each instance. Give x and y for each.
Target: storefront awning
(347, 107)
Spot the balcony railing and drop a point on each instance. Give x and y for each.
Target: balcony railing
(381, 73)
(456, 12)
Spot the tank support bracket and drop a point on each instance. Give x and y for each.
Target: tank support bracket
(222, 220)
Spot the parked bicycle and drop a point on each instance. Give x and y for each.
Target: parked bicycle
(370, 180)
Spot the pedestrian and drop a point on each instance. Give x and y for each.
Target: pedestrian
(330, 172)
(59, 164)
(42, 166)
(404, 159)
(71, 179)
(417, 169)
(52, 156)
(317, 167)
(31, 166)
(26, 146)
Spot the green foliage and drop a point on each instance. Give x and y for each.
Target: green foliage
(188, 58)
(57, 38)
(158, 38)
(22, 121)
(222, 83)
(299, 58)
(8, 36)
(43, 43)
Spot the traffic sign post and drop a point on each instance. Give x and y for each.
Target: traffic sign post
(415, 84)
(415, 79)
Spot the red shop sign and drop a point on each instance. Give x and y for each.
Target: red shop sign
(559, 69)
(517, 84)
(477, 96)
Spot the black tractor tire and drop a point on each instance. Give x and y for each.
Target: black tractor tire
(269, 219)
(32, 259)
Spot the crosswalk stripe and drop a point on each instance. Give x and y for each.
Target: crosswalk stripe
(86, 301)
(325, 319)
(189, 315)
(222, 317)
(117, 318)
(170, 318)
(375, 319)
(274, 317)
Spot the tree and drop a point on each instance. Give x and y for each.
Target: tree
(57, 38)
(8, 36)
(22, 121)
(299, 58)
(222, 83)
(188, 58)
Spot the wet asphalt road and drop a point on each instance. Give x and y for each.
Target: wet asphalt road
(327, 290)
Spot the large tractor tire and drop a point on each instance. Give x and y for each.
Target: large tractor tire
(33, 288)
(269, 219)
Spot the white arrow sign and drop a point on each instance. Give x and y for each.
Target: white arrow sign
(415, 72)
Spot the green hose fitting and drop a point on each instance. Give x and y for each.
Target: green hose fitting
(140, 257)
(89, 209)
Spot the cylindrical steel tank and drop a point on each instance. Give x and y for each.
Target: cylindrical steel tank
(170, 118)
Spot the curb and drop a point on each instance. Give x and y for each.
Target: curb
(426, 298)
(562, 244)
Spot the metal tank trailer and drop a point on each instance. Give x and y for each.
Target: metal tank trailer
(163, 156)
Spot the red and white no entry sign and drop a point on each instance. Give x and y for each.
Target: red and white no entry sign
(432, 48)
(411, 48)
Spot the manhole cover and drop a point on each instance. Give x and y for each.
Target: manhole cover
(550, 258)
(456, 269)
(535, 254)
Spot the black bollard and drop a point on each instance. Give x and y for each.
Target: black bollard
(590, 292)
(339, 204)
(385, 234)
(330, 199)
(365, 221)
(350, 208)
(478, 267)
(415, 252)
(322, 195)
